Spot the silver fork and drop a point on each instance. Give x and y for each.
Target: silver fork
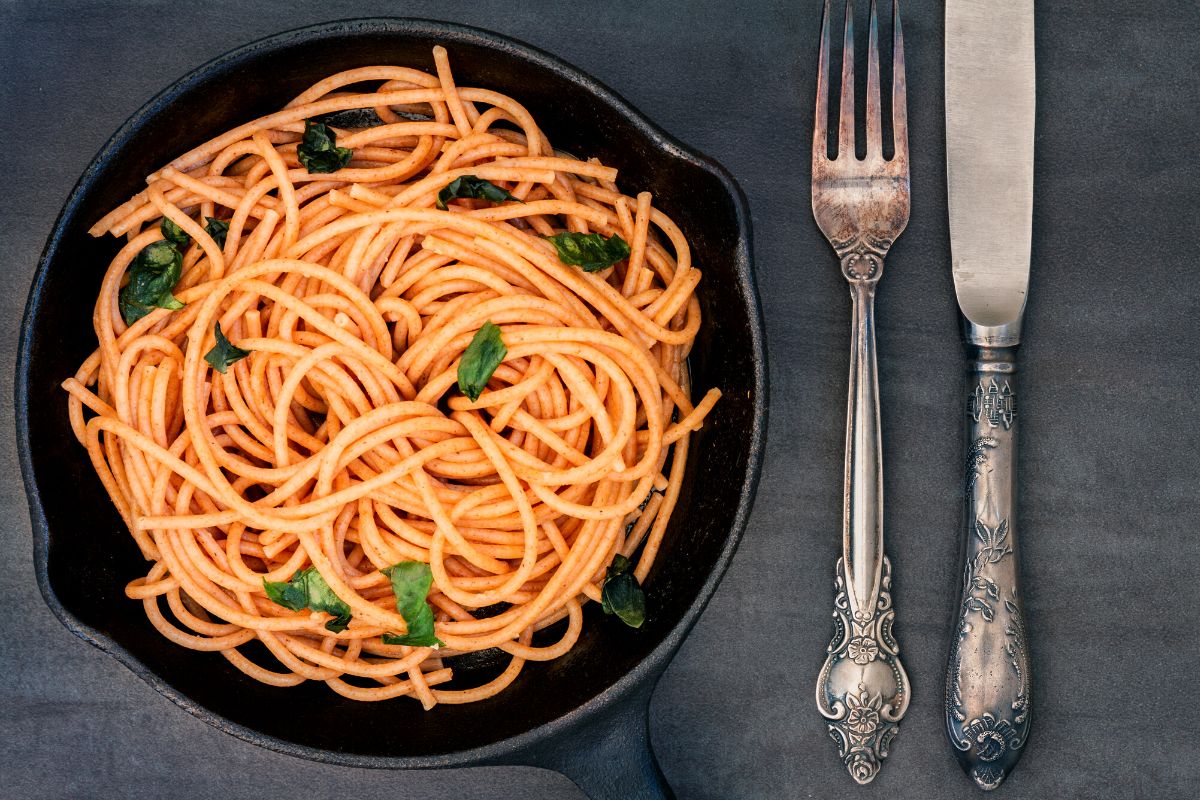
(861, 207)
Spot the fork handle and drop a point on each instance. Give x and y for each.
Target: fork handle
(863, 690)
(988, 680)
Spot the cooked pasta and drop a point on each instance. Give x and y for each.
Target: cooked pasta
(376, 394)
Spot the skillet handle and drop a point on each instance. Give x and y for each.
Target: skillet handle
(608, 755)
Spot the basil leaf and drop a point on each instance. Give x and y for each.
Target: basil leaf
(152, 276)
(318, 151)
(223, 354)
(589, 250)
(218, 229)
(174, 234)
(411, 582)
(479, 361)
(622, 594)
(307, 589)
(131, 310)
(477, 188)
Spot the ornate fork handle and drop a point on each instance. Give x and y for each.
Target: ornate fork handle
(863, 690)
(987, 681)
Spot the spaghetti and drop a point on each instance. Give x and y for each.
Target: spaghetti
(327, 441)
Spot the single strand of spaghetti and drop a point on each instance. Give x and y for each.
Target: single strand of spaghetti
(567, 165)
(262, 674)
(450, 92)
(408, 321)
(406, 128)
(515, 111)
(693, 420)
(360, 75)
(163, 375)
(286, 191)
(642, 525)
(638, 246)
(222, 160)
(558, 649)
(670, 498)
(387, 692)
(519, 210)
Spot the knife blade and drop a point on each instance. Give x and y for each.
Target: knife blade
(989, 159)
(990, 103)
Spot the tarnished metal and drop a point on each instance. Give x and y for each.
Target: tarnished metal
(861, 207)
(989, 151)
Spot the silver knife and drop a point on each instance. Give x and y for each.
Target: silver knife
(989, 171)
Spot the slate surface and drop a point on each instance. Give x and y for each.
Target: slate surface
(1109, 435)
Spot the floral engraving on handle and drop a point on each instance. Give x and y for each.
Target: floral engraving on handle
(996, 733)
(977, 458)
(864, 721)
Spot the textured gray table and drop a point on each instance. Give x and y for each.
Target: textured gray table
(1110, 436)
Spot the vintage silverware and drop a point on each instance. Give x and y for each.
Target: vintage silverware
(989, 167)
(861, 207)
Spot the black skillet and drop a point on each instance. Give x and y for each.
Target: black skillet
(584, 714)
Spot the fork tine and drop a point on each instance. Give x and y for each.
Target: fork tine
(899, 103)
(846, 110)
(820, 135)
(874, 126)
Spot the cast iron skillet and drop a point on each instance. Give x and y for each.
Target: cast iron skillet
(584, 714)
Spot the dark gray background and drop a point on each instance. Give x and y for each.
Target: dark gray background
(1109, 405)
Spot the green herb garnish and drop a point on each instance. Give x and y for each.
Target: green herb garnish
(307, 589)
(152, 277)
(218, 229)
(223, 354)
(485, 352)
(174, 234)
(622, 594)
(411, 582)
(318, 151)
(589, 250)
(472, 187)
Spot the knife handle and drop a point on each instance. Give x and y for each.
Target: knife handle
(988, 680)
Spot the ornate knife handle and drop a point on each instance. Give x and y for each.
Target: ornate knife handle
(862, 690)
(987, 680)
